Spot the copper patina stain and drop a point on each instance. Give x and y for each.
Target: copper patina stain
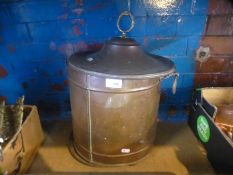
(94, 46)
(24, 85)
(79, 2)
(172, 111)
(163, 97)
(76, 30)
(11, 48)
(57, 87)
(66, 83)
(2, 98)
(97, 6)
(3, 72)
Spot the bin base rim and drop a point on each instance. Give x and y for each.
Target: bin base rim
(79, 157)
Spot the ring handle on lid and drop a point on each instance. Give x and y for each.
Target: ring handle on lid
(125, 13)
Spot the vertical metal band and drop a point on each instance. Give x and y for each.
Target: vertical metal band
(89, 121)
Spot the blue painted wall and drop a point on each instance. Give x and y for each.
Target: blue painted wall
(37, 37)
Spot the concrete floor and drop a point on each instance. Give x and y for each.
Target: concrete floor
(176, 151)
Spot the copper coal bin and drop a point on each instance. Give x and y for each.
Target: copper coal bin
(115, 96)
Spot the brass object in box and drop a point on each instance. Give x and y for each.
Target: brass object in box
(224, 119)
(224, 114)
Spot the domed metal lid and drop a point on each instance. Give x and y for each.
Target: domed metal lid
(122, 58)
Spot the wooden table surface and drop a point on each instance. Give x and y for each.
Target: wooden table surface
(176, 151)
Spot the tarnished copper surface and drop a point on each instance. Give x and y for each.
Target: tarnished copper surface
(122, 121)
(114, 124)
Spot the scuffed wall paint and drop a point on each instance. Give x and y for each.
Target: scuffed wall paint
(37, 37)
(218, 37)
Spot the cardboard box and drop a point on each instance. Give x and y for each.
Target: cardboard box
(20, 151)
(218, 145)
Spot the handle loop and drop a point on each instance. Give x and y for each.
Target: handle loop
(176, 75)
(125, 13)
(175, 83)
